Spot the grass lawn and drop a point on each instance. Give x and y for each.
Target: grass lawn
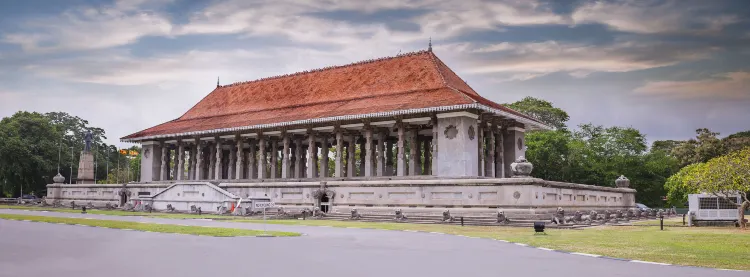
(161, 228)
(116, 212)
(704, 246)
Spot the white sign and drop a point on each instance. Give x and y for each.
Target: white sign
(263, 205)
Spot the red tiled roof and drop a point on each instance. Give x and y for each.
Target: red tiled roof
(410, 81)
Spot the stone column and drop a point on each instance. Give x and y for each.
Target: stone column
(198, 160)
(285, 170)
(458, 148)
(413, 152)
(338, 170)
(350, 156)
(251, 167)
(274, 158)
(181, 161)
(324, 156)
(312, 152)
(164, 170)
(489, 169)
(262, 167)
(217, 164)
(303, 164)
(211, 162)
(513, 146)
(499, 159)
(231, 173)
(388, 157)
(434, 144)
(380, 169)
(427, 159)
(362, 158)
(239, 171)
(298, 161)
(480, 146)
(400, 156)
(368, 153)
(418, 157)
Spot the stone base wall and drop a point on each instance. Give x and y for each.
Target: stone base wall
(517, 197)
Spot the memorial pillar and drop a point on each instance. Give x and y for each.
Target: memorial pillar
(218, 156)
(324, 156)
(513, 146)
(298, 161)
(400, 156)
(164, 170)
(338, 170)
(312, 153)
(262, 167)
(198, 160)
(181, 161)
(427, 157)
(490, 163)
(285, 159)
(480, 146)
(457, 145)
(413, 152)
(211, 162)
(499, 159)
(274, 158)
(418, 157)
(434, 144)
(362, 158)
(232, 162)
(251, 167)
(380, 169)
(239, 168)
(368, 152)
(389, 157)
(350, 157)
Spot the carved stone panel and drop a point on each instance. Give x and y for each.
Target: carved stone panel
(450, 132)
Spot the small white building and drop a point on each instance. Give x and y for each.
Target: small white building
(709, 207)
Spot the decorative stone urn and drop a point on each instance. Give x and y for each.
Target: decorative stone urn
(58, 179)
(622, 182)
(521, 167)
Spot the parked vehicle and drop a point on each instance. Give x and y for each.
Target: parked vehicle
(642, 208)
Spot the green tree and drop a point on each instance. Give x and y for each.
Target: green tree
(28, 151)
(677, 185)
(541, 110)
(725, 177)
(704, 147)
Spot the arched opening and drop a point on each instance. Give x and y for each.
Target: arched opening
(325, 203)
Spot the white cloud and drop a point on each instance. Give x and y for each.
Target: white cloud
(669, 16)
(731, 85)
(579, 60)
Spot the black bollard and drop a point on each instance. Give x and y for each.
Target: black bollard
(304, 214)
(683, 219)
(83, 209)
(462, 221)
(661, 222)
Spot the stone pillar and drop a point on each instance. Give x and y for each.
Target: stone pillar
(239, 171)
(312, 153)
(198, 160)
(418, 157)
(251, 167)
(480, 147)
(231, 173)
(303, 164)
(427, 159)
(164, 170)
(175, 162)
(434, 144)
(380, 166)
(413, 146)
(338, 170)
(285, 170)
(150, 163)
(499, 159)
(489, 168)
(262, 167)
(211, 162)
(400, 156)
(368, 153)
(324, 155)
(458, 149)
(218, 156)
(388, 157)
(274, 158)
(299, 169)
(180, 161)
(362, 158)
(514, 146)
(350, 157)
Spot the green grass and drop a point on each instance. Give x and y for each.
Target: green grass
(709, 247)
(152, 227)
(117, 212)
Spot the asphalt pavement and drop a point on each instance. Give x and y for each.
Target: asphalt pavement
(46, 249)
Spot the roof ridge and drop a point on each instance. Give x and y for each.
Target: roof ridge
(414, 53)
(434, 60)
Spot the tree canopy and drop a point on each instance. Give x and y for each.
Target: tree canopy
(541, 110)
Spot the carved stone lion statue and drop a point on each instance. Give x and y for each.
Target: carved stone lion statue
(355, 214)
(447, 216)
(400, 215)
(559, 216)
(501, 218)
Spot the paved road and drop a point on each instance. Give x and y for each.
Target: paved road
(44, 249)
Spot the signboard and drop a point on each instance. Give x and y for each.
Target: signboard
(263, 205)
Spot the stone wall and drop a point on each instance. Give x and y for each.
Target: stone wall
(99, 194)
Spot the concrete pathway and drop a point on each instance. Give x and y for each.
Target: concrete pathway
(45, 249)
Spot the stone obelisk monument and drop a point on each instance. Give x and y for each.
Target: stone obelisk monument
(86, 163)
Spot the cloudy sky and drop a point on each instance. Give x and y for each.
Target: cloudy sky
(664, 67)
